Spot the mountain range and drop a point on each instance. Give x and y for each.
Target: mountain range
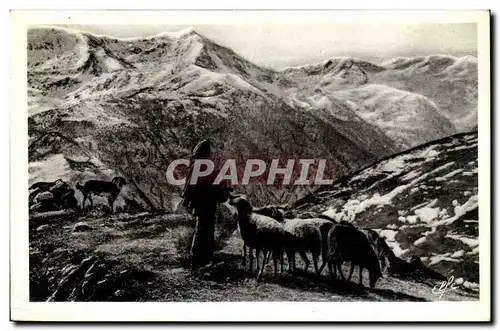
(100, 106)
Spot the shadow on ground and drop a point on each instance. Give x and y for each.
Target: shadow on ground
(228, 268)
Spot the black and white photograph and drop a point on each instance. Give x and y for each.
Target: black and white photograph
(202, 159)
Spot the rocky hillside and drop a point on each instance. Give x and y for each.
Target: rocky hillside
(424, 202)
(101, 106)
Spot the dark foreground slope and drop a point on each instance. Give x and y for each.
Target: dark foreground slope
(140, 258)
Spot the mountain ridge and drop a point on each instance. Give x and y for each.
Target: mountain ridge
(173, 89)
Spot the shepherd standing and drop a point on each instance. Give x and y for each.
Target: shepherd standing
(202, 198)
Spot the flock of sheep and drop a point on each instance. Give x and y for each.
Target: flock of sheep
(267, 230)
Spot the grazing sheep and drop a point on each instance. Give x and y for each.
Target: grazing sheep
(261, 233)
(324, 226)
(384, 254)
(272, 211)
(304, 236)
(347, 244)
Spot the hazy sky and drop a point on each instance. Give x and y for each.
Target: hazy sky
(284, 45)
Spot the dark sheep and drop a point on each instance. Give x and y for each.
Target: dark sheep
(347, 244)
(384, 254)
(111, 189)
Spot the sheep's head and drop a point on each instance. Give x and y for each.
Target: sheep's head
(275, 212)
(119, 181)
(242, 205)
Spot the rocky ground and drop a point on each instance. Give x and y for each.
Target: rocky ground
(140, 258)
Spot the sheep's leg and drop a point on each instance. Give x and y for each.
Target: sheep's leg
(315, 261)
(266, 258)
(84, 200)
(262, 266)
(111, 201)
(350, 272)
(331, 271)
(244, 255)
(275, 261)
(251, 260)
(289, 256)
(282, 257)
(340, 271)
(306, 260)
(323, 264)
(361, 275)
(257, 254)
(91, 203)
(324, 255)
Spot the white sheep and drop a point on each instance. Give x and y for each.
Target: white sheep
(304, 236)
(323, 224)
(272, 211)
(261, 233)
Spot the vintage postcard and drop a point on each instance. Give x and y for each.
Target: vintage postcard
(250, 166)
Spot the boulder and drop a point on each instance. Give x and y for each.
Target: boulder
(81, 227)
(60, 188)
(43, 197)
(42, 227)
(49, 196)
